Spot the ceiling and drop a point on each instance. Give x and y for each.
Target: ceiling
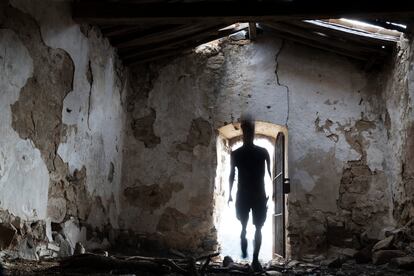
(147, 30)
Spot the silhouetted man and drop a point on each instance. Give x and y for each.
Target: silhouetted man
(250, 162)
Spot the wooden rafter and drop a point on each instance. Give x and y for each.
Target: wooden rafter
(326, 38)
(155, 54)
(103, 12)
(319, 45)
(150, 37)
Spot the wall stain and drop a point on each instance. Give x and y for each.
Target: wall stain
(200, 134)
(143, 130)
(151, 197)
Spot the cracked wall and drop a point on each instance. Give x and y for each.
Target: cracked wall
(337, 134)
(398, 95)
(61, 129)
(168, 146)
(89, 151)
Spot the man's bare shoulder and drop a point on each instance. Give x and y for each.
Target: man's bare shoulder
(262, 150)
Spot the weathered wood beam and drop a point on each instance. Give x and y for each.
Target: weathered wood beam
(385, 24)
(344, 33)
(101, 12)
(327, 40)
(212, 32)
(321, 46)
(156, 37)
(158, 55)
(252, 31)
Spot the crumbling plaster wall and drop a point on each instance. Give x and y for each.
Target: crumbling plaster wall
(334, 114)
(398, 95)
(61, 122)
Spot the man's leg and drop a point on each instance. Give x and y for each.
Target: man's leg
(242, 212)
(259, 217)
(243, 240)
(257, 242)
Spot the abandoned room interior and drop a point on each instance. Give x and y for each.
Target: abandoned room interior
(118, 119)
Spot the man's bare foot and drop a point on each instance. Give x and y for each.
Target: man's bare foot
(257, 266)
(244, 247)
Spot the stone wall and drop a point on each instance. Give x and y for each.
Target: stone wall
(61, 128)
(398, 95)
(337, 125)
(92, 152)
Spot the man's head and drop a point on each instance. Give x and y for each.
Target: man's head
(247, 126)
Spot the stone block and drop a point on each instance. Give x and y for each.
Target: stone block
(364, 255)
(384, 244)
(53, 247)
(7, 235)
(403, 262)
(65, 248)
(385, 256)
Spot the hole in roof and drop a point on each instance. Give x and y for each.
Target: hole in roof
(356, 27)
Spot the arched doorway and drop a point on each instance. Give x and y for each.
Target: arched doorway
(274, 139)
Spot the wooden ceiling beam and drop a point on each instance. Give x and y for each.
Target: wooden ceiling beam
(385, 24)
(157, 37)
(103, 12)
(315, 44)
(195, 39)
(344, 33)
(330, 41)
(157, 55)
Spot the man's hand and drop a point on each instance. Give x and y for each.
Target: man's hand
(230, 200)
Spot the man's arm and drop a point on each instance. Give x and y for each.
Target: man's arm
(268, 163)
(231, 178)
(268, 170)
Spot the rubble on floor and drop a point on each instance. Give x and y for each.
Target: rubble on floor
(211, 264)
(393, 255)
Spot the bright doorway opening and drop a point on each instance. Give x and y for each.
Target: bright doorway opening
(227, 225)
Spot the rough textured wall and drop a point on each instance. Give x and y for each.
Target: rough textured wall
(169, 153)
(337, 134)
(337, 142)
(398, 95)
(61, 128)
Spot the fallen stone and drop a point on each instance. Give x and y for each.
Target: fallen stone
(385, 256)
(7, 235)
(65, 248)
(79, 249)
(309, 258)
(74, 233)
(349, 252)
(53, 247)
(292, 263)
(365, 240)
(335, 262)
(273, 273)
(319, 258)
(364, 255)
(38, 230)
(17, 223)
(384, 244)
(227, 261)
(403, 262)
(336, 234)
(26, 250)
(43, 252)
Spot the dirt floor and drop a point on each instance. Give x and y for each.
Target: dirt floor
(52, 267)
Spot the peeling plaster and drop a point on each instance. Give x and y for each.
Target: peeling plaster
(24, 175)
